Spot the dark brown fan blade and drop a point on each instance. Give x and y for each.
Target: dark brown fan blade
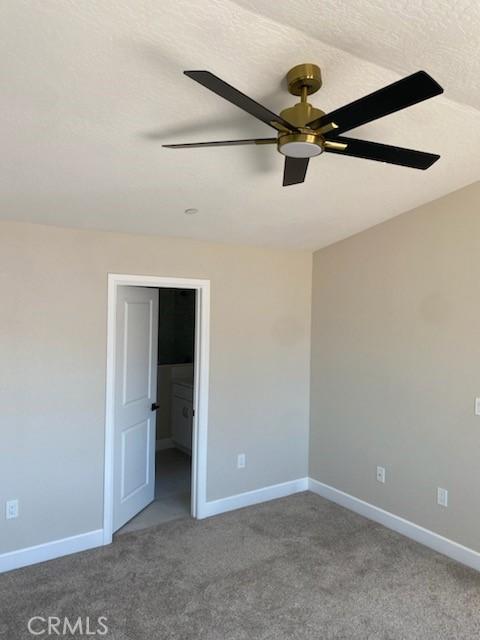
(294, 171)
(384, 153)
(221, 143)
(239, 99)
(399, 95)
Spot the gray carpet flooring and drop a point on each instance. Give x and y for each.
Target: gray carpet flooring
(297, 568)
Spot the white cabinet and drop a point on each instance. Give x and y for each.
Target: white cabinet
(182, 415)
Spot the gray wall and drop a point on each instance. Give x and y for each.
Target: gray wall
(53, 358)
(396, 365)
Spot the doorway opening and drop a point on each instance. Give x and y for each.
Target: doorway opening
(157, 401)
(174, 411)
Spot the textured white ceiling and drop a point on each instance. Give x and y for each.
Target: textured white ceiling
(90, 90)
(405, 35)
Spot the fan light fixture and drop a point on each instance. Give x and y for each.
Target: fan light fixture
(300, 149)
(300, 145)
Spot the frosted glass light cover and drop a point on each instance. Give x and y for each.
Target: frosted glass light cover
(301, 149)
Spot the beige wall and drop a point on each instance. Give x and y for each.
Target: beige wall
(394, 370)
(53, 354)
(396, 365)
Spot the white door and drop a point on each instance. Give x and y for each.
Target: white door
(135, 393)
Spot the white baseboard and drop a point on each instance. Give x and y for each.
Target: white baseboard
(164, 443)
(50, 550)
(447, 547)
(256, 496)
(92, 539)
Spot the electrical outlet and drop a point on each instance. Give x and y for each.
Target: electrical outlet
(477, 406)
(11, 509)
(381, 474)
(241, 461)
(442, 497)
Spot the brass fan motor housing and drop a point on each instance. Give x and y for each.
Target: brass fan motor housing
(301, 114)
(304, 75)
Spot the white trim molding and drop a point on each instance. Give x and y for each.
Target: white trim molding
(200, 394)
(215, 507)
(50, 550)
(430, 539)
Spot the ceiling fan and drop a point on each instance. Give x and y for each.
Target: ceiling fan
(303, 131)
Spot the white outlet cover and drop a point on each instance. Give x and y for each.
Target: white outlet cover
(11, 509)
(477, 406)
(241, 461)
(381, 474)
(442, 497)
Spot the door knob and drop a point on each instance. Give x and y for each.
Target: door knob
(155, 406)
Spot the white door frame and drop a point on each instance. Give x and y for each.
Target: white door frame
(200, 388)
